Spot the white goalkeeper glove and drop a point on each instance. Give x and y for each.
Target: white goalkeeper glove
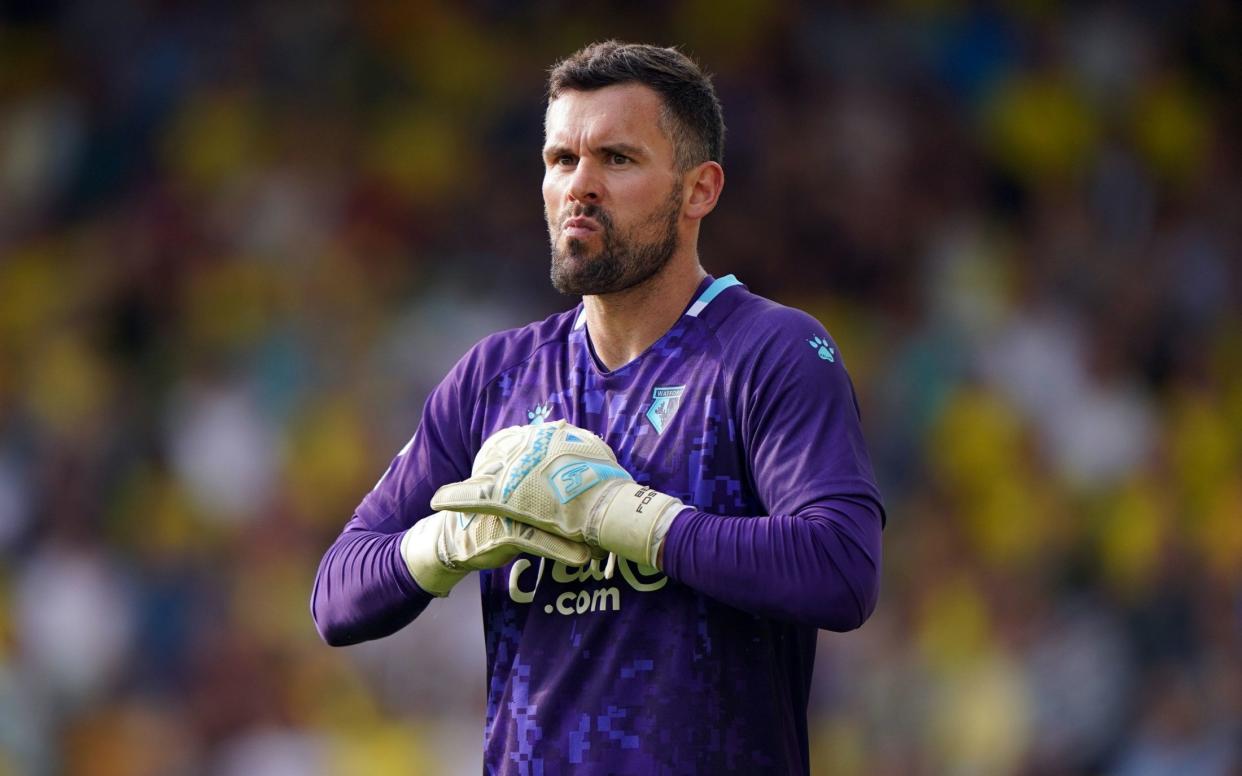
(444, 547)
(566, 481)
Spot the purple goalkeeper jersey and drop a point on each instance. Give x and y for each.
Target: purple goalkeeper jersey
(744, 411)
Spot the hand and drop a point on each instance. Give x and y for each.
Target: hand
(566, 481)
(444, 547)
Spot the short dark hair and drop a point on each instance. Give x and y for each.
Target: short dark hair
(691, 114)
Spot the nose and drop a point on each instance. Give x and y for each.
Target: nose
(584, 186)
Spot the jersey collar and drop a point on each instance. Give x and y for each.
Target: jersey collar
(696, 307)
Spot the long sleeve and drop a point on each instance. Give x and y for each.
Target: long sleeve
(814, 558)
(363, 589)
(820, 567)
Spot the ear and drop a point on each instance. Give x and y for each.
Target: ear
(703, 185)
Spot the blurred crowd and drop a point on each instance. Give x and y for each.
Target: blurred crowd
(239, 244)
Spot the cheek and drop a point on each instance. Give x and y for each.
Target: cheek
(551, 200)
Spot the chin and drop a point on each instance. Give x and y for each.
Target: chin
(575, 249)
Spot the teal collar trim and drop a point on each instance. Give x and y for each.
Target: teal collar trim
(700, 304)
(710, 293)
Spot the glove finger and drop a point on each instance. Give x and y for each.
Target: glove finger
(456, 495)
(554, 547)
(490, 469)
(464, 497)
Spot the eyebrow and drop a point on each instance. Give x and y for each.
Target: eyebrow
(555, 151)
(624, 149)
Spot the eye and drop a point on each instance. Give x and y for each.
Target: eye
(618, 159)
(564, 160)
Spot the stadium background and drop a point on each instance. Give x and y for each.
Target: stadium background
(238, 245)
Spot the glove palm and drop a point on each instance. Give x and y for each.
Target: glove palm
(444, 547)
(566, 481)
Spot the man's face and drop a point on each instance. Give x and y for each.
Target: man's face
(611, 192)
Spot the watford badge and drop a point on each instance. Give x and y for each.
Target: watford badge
(664, 403)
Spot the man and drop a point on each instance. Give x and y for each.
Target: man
(751, 520)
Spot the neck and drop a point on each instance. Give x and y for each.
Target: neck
(624, 324)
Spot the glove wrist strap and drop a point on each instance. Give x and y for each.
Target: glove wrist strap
(634, 520)
(421, 552)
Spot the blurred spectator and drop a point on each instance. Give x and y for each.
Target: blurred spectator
(238, 244)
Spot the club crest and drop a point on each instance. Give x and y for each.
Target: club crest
(665, 400)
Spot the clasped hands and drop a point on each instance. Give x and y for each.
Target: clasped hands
(551, 489)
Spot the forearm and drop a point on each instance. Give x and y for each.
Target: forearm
(363, 589)
(820, 567)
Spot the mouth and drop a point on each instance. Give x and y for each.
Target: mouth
(580, 226)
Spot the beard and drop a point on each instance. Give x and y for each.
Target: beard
(624, 260)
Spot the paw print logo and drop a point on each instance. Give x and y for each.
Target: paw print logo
(539, 414)
(821, 347)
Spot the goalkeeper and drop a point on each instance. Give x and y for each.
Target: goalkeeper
(665, 491)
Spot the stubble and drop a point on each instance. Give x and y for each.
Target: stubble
(624, 259)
